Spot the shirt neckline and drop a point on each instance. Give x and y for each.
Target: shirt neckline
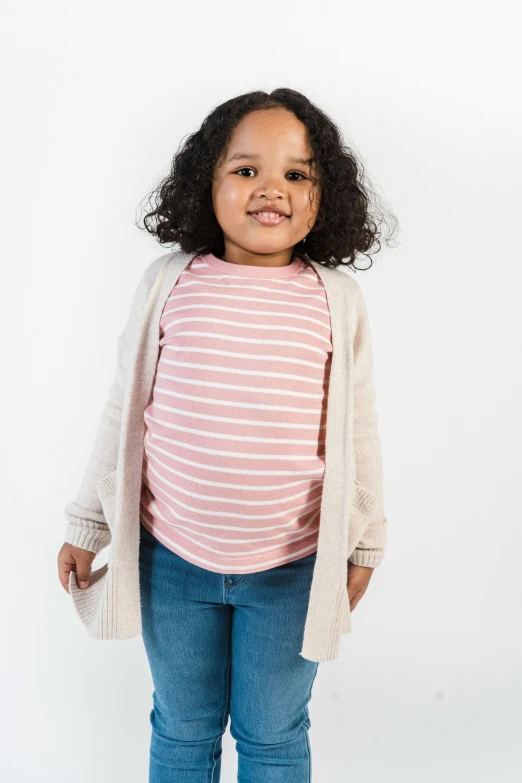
(250, 270)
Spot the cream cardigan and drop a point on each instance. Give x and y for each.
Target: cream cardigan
(352, 522)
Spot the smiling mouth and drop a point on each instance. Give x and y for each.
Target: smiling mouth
(268, 218)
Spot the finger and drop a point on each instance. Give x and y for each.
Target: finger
(63, 575)
(355, 598)
(64, 569)
(83, 571)
(76, 560)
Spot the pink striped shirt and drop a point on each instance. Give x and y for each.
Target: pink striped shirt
(234, 434)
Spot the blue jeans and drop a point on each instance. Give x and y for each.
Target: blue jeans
(222, 645)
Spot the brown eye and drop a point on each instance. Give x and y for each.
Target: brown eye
(247, 168)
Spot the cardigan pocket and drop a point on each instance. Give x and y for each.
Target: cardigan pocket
(88, 602)
(91, 603)
(364, 499)
(106, 489)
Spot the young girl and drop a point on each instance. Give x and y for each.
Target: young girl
(236, 471)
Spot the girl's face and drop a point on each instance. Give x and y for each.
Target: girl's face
(265, 166)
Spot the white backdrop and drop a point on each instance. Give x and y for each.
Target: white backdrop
(97, 97)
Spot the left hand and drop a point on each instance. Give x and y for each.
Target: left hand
(358, 580)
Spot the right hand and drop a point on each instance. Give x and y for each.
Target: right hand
(72, 558)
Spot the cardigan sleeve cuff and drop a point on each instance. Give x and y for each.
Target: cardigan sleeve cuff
(370, 558)
(92, 536)
(369, 551)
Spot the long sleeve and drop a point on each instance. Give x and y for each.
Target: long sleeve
(368, 458)
(86, 525)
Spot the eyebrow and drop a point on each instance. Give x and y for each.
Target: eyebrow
(241, 155)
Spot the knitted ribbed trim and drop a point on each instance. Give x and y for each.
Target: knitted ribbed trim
(93, 536)
(107, 485)
(95, 604)
(370, 558)
(364, 500)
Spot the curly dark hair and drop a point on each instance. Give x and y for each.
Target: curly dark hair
(349, 217)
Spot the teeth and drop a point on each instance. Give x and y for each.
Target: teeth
(269, 214)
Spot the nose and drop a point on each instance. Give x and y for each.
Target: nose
(270, 186)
